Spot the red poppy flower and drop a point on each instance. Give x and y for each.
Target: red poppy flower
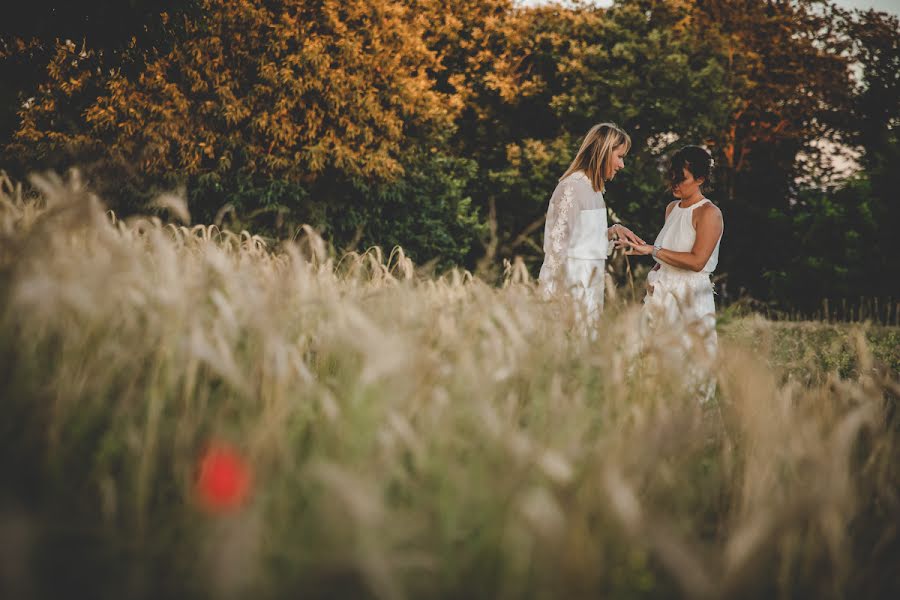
(224, 478)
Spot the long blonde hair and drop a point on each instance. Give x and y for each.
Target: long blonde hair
(595, 153)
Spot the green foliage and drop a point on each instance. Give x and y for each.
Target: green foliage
(426, 212)
(443, 126)
(286, 94)
(520, 189)
(811, 352)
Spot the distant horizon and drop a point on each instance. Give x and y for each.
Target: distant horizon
(888, 6)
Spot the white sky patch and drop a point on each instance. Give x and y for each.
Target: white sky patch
(603, 3)
(834, 163)
(888, 6)
(659, 142)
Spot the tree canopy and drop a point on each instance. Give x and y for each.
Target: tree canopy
(443, 126)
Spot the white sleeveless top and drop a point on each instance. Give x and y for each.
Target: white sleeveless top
(678, 234)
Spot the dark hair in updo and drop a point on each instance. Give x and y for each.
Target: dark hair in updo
(698, 161)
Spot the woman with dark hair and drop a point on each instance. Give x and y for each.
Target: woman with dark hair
(679, 297)
(576, 236)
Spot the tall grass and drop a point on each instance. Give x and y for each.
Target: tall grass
(410, 436)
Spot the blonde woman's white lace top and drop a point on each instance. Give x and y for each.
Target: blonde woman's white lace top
(576, 228)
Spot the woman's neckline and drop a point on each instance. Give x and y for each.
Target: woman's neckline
(701, 200)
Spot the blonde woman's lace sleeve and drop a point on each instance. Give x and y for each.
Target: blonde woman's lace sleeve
(557, 231)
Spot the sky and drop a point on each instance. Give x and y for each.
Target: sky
(889, 6)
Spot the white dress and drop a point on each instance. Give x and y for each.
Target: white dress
(681, 311)
(576, 244)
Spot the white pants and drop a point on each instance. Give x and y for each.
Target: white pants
(586, 281)
(679, 317)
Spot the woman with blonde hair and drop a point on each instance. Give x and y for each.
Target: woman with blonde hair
(576, 236)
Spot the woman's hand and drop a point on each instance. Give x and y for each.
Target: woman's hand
(633, 248)
(622, 232)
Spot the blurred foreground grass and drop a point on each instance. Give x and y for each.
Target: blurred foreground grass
(410, 436)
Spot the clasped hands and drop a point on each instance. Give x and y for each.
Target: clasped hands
(633, 245)
(623, 236)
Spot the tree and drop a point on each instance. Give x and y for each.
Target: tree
(789, 80)
(119, 32)
(413, 122)
(876, 117)
(842, 231)
(265, 90)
